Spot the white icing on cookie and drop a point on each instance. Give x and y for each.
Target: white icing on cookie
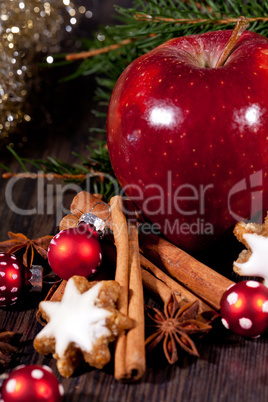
(257, 264)
(75, 319)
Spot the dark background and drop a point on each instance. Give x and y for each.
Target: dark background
(62, 110)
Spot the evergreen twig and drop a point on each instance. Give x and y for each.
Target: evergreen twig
(96, 167)
(95, 52)
(150, 18)
(151, 22)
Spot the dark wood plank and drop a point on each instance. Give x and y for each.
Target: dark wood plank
(230, 369)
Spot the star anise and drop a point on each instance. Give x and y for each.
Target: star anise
(18, 241)
(8, 346)
(174, 326)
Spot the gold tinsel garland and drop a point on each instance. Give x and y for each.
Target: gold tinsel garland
(28, 29)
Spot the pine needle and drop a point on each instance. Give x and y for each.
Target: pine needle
(14, 153)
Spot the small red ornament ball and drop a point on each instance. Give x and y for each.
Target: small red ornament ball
(12, 279)
(75, 251)
(32, 384)
(244, 308)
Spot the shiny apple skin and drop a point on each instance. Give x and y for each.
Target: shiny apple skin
(176, 122)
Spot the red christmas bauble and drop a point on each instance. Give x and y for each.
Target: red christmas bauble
(32, 384)
(75, 251)
(12, 279)
(244, 308)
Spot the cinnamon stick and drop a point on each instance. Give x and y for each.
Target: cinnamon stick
(135, 339)
(120, 231)
(159, 283)
(156, 286)
(122, 277)
(203, 281)
(180, 292)
(130, 346)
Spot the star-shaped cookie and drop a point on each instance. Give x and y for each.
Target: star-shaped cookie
(253, 261)
(81, 325)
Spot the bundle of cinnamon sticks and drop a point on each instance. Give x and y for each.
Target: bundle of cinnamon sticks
(154, 263)
(130, 347)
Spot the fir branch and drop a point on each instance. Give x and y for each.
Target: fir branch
(97, 161)
(20, 160)
(225, 21)
(96, 167)
(95, 52)
(149, 23)
(49, 176)
(4, 167)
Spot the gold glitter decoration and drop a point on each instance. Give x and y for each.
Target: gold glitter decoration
(28, 30)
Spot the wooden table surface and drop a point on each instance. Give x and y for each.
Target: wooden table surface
(230, 368)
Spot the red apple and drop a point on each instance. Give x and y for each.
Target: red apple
(188, 141)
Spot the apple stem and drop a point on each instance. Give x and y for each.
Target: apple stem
(241, 25)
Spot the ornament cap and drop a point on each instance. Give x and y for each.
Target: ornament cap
(36, 278)
(99, 224)
(91, 219)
